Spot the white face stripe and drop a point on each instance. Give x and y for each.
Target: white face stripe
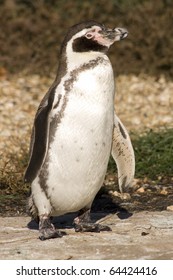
(76, 59)
(84, 31)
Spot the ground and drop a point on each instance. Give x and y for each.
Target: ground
(144, 235)
(30, 37)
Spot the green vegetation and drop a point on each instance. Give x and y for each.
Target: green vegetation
(153, 153)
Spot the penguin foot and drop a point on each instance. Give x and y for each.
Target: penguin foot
(83, 223)
(47, 230)
(48, 234)
(91, 227)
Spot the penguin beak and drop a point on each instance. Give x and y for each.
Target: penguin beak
(115, 34)
(106, 36)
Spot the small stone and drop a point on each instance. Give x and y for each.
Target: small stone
(169, 208)
(164, 192)
(144, 233)
(140, 190)
(123, 196)
(115, 193)
(126, 196)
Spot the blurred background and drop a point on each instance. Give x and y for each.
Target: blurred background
(32, 31)
(30, 37)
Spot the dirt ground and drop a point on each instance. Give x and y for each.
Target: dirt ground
(29, 43)
(144, 235)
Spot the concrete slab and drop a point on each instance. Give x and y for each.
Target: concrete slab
(144, 235)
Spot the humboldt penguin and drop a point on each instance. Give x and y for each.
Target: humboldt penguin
(76, 130)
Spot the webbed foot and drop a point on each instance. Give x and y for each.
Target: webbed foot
(83, 223)
(91, 227)
(47, 229)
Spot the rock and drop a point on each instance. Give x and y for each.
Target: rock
(164, 192)
(123, 196)
(169, 208)
(140, 190)
(17, 241)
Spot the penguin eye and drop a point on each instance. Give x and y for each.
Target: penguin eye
(89, 35)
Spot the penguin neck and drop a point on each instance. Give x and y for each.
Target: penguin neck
(71, 61)
(75, 60)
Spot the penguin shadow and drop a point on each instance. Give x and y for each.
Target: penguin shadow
(60, 222)
(103, 206)
(32, 225)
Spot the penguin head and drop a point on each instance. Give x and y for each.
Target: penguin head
(91, 36)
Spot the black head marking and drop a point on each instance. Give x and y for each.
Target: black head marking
(76, 28)
(82, 44)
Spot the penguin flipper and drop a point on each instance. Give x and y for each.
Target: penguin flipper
(40, 136)
(123, 154)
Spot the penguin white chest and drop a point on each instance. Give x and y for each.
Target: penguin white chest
(79, 153)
